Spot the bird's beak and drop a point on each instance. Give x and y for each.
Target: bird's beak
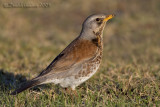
(108, 17)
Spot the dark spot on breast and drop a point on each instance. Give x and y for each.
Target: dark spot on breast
(95, 41)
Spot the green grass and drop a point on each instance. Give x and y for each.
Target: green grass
(130, 71)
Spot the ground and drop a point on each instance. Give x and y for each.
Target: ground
(30, 38)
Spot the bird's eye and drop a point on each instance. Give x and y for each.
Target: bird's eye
(98, 19)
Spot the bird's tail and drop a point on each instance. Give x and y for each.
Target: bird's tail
(25, 86)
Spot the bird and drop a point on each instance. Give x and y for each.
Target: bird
(79, 61)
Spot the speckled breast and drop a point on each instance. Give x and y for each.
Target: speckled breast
(90, 67)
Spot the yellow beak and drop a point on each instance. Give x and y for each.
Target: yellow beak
(108, 17)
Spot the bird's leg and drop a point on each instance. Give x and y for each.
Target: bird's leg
(68, 91)
(71, 92)
(75, 93)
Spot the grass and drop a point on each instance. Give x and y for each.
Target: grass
(130, 71)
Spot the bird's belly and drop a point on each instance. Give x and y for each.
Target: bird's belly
(85, 74)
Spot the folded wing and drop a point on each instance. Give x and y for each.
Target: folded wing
(78, 52)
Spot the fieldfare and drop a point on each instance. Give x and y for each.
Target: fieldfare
(78, 61)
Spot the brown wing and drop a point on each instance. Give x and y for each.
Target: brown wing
(77, 52)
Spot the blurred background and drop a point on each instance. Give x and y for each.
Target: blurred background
(30, 38)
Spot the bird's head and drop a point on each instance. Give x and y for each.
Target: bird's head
(95, 24)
